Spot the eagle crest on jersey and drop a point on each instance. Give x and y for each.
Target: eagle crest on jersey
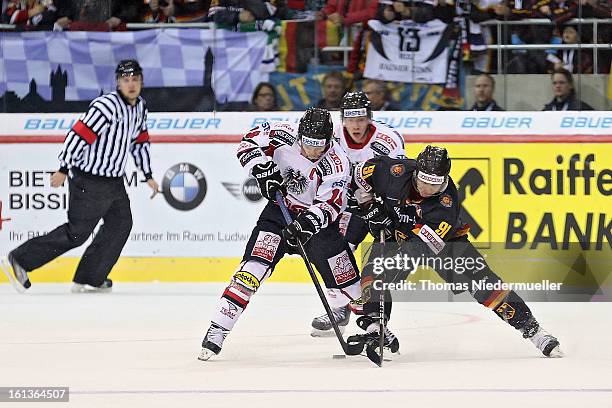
(295, 181)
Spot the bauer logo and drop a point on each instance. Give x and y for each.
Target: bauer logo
(184, 186)
(472, 176)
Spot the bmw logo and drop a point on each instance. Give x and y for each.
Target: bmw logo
(184, 186)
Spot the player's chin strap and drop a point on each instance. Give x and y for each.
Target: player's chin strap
(350, 350)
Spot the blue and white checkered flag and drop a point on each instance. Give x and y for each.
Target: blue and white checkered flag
(169, 57)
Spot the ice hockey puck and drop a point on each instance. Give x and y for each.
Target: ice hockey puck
(338, 356)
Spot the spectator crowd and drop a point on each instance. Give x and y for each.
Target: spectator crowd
(466, 15)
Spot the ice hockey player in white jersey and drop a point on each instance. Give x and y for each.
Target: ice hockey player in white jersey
(362, 138)
(313, 173)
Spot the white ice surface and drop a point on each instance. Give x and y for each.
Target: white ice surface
(137, 347)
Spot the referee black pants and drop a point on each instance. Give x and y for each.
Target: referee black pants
(92, 198)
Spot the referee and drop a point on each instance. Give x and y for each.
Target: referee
(95, 152)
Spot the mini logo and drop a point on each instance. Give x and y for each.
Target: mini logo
(249, 190)
(446, 201)
(184, 186)
(398, 170)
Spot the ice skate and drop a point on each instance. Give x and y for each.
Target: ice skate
(544, 341)
(16, 274)
(371, 338)
(322, 327)
(105, 287)
(213, 341)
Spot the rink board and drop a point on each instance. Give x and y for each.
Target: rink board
(519, 181)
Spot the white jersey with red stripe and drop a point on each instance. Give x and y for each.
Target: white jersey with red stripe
(319, 187)
(381, 140)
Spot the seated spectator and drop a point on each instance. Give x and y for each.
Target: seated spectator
(565, 97)
(378, 94)
(348, 12)
(232, 12)
(33, 14)
(420, 11)
(484, 86)
(558, 11)
(334, 88)
(576, 61)
(264, 98)
(191, 11)
(126, 11)
(161, 11)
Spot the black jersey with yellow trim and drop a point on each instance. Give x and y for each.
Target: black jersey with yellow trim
(391, 180)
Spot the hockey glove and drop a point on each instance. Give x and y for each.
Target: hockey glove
(378, 220)
(269, 178)
(302, 228)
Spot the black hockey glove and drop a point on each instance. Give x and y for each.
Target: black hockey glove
(378, 220)
(269, 178)
(302, 228)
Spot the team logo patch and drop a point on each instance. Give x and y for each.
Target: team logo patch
(446, 200)
(248, 279)
(342, 268)
(184, 186)
(398, 170)
(266, 246)
(295, 181)
(506, 311)
(367, 171)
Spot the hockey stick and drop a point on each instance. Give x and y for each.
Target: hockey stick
(350, 350)
(372, 355)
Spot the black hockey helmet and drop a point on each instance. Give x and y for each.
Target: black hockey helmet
(433, 166)
(355, 104)
(316, 127)
(128, 67)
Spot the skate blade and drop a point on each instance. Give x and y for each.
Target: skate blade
(89, 289)
(7, 268)
(205, 354)
(325, 333)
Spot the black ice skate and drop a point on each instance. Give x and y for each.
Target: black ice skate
(213, 341)
(371, 338)
(544, 341)
(105, 287)
(322, 327)
(16, 274)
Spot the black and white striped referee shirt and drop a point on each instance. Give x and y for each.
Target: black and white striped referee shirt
(100, 140)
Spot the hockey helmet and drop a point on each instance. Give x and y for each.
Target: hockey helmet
(355, 104)
(128, 67)
(433, 167)
(315, 128)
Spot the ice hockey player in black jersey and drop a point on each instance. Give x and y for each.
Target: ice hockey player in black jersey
(416, 206)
